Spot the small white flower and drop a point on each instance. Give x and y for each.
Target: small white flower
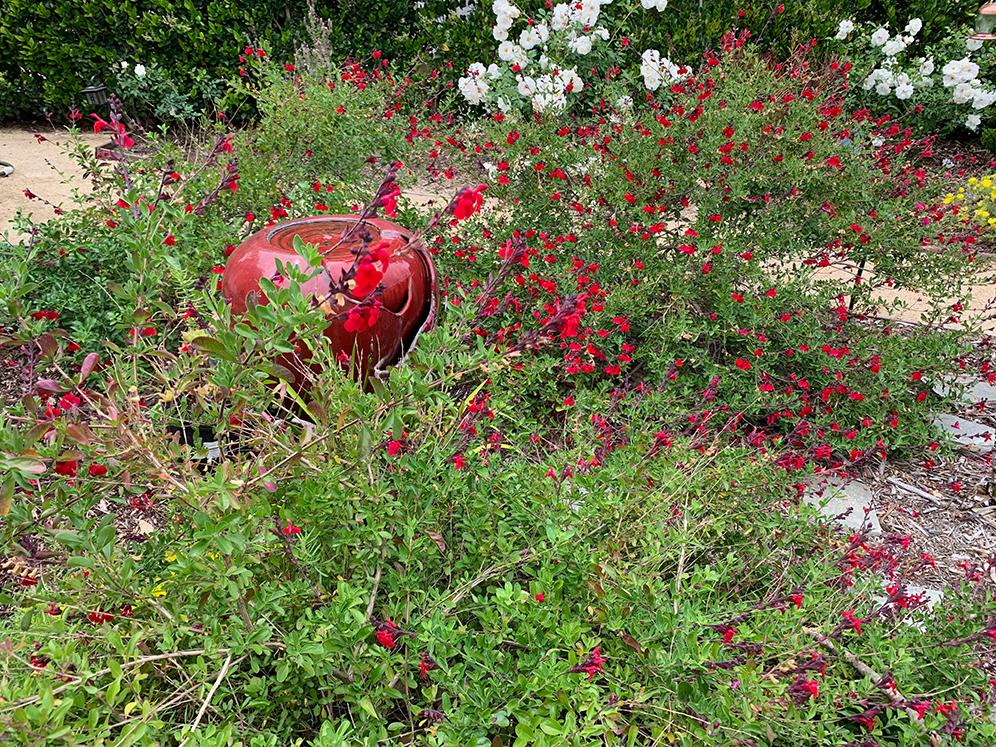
(124, 64)
(473, 87)
(506, 50)
(561, 17)
(651, 78)
(983, 99)
(880, 37)
(904, 91)
(569, 79)
(893, 47)
(581, 45)
(927, 67)
(526, 86)
(140, 71)
(601, 33)
(660, 5)
(529, 38)
(959, 71)
(973, 45)
(624, 103)
(914, 26)
(845, 28)
(504, 8)
(972, 122)
(883, 88)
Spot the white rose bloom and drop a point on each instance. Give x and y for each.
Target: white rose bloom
(959, 71)
(561, 17)
(893, 47)
(529, 38)
(581, 45)
(504, 104)
(526, 86)
(880, 37)
(587, 13)
(625, 103)
(570, 79)
(494, 72)
(543, 31)
(845, 28)
(983, 99)
(506, 51)
(883, 88)
(658, 4)
(963, 93)
(140, 71)
(504, 8)
(601, 33)
(914, 26)
(500, 33)
(904, 91)
(927, 67)
(973, 45)
(124, 65)
(651, 78)
(473, 88)
(972, 122)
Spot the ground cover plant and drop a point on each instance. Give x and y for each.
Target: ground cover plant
(572, 515)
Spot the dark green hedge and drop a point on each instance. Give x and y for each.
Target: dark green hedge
(50, 49)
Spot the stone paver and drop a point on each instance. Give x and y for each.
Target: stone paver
(839, 497)
(975, 391)
(968, 433)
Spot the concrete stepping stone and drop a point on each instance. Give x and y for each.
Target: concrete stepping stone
(966, 432)
(839, 496)
(975, 391)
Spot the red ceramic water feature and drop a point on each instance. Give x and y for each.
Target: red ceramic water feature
(369, 329)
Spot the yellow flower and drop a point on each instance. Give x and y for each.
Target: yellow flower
(169, 556)
(987, 182)
(949, 199)
(981, 213)
(158, 591)
(973, 180)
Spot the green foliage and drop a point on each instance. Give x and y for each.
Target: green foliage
(487, 546)
(53, 49)
(988, 139)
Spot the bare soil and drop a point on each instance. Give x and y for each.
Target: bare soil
(41, 167)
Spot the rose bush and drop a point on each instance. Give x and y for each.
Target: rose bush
(945, 84)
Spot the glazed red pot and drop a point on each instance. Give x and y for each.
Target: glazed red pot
(408, 302)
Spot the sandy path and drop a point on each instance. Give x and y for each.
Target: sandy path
(41, 167)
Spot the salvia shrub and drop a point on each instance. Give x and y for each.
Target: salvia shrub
(571, 516)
